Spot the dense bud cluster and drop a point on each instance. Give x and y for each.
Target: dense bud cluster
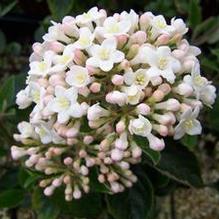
(96, 82)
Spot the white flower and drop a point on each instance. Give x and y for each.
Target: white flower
(85, 39)
(140, 126)
(26, 130)
(188, 124)
(179, 26)
(196, 80)
(139, 78)
(77, 76)
(159, 26)
(92, 15)
(161, 62)
(65, 104)
(42, 68)
(95, 112)
(22, 98)
(47, 133)
(133, 94)
(55, 33)
(208, 95)
(105, 55)
(65, 60)
(113, 27)
(132, 17)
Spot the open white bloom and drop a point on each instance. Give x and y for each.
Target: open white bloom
(197, 81)
(105, 55)
(85, 39)
(92, 15)
(44, 67)
(159, 26)
(77, 76)
(179, 26)
(47, 134)
(161, 63)
(132, 17)
(65, 60)
(55, 33)
(188, 124)
(95, 112)
(113, 27)
(22, 98)
(65, 104)
(133, 94)
(139, 78)
(208, 95)
(140, 126)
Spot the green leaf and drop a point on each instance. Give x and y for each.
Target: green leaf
(180, 164)
(3, 41)
(11, 198)
(194, 13)
(59, 8)
(43, 207)
(215, 52)
(190, 141)
(135, 203)
(213, 118)
(7, 93)
(7, 8)
(152, 155)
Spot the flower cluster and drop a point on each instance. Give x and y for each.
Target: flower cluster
(94, 84)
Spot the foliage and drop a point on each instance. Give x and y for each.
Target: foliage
(159, 174)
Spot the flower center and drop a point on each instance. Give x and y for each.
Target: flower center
(104, 54)
(161, 24)
(84, 41)
(162, 63)
(114, 28)
(188, 124)
(87, 15)
(80, 78)
(199, 81)
(64, 59)
(36, 96)
(63, 102)
(140, 79)
(42, 66)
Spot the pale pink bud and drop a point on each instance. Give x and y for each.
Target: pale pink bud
(155, 143)
(37, 48)
(72, 141)
(107, 160)
(72, 132)
(165, 88)
(88, 139)
(158, 95)
(120, 126)
(188, 64)
(56, 47)
(124, 165)
(57, 182)
(95, 87)
(121, 40)
(139, 37)
(17, 152)
(136, 152)
(101, 178)
(116, 154)
(117, 79)
(145, 20)
(68, 189)
(84, 170)
(116, 97)
(161, 129)
(157, 80)
(184, 89)
(184, 107)
(67, 179)
(82, 153)
(56, 79)
(50, 90)
(115, 187)
(77, 194)
(68, 161)
(48, 191)
(84, 91)
(143, 109)
(90, 162)
(164, 119)
(171, 105)
(179, 54)
(162, 39)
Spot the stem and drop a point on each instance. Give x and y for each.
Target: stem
(172, 206)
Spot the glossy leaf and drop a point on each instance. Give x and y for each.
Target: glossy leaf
(194, 13)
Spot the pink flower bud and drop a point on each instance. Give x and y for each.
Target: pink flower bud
(37, 48)
(155, 143)
(84, 91)
(162, 39)
(67, 180)
(164, 119)
(117, 79)
(88, 139)
(139, 37)
(95, 87)
(17, 152)
(157, 80)
(56, 47)
(68, 161)
(188, 64)
(116, 97)
(84, 170)
(101, 178)
(116, 154)
(57, 182)
(77, 194)
(90, 162)
(124, 165)
(179, 54)
(121, 39)
(184, 89)
(120, 126)
(115, 187)
(161, 129)
(72, 141)
(136, 152)
(72, 132)
(50, 90)
(48, 191)
(56, 79)
(82, 153)
(143, 109)
(158, 95)
(165, 88)
(171, 105)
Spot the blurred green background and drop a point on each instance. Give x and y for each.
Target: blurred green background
(23, 22)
